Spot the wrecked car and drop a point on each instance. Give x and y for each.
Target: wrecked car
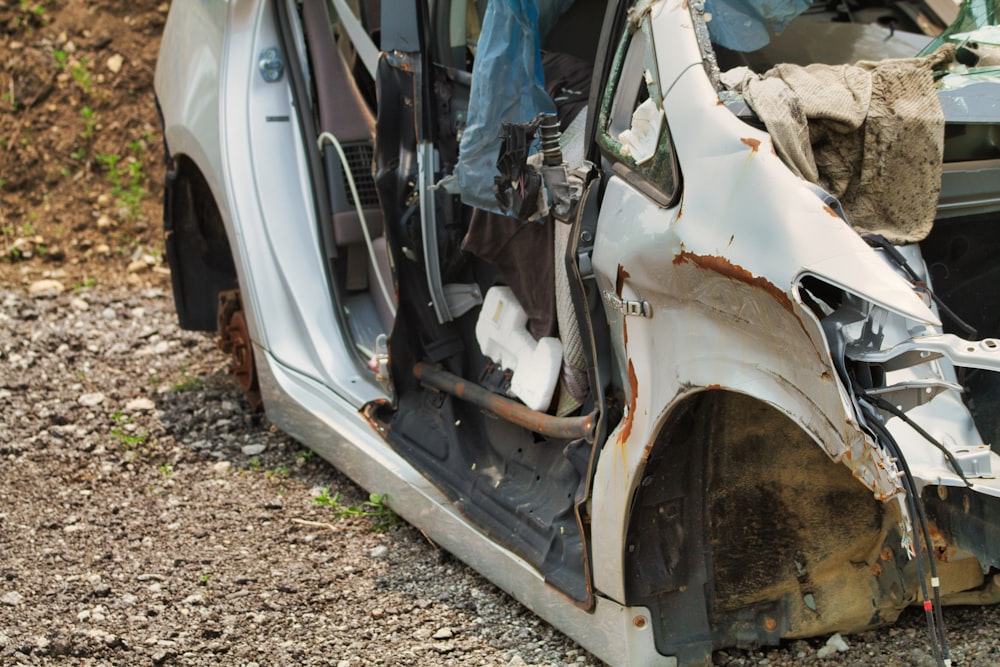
(675, 319)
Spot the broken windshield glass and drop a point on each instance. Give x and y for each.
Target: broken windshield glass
(747, 25)
(762, 33)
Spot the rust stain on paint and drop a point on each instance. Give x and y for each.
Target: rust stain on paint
(724, 267)
(754, 144)
(633, 383)
(623, 275)
(829, 211)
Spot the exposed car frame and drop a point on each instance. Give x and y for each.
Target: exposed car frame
(773, 440)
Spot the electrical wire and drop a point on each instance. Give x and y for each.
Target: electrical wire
(932, 598)
(880, 402)
(900, 261)
(327, 136)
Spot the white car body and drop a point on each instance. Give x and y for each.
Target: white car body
(707, 309)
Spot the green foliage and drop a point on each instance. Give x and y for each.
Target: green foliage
(189, 384)
(127, 181)
(81, 74)
(128, 437)
(90, 118)
(375, 508)
(278, 473)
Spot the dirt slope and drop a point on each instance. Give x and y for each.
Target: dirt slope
(81, 163)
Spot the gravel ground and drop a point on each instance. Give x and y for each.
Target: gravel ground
(147, 519)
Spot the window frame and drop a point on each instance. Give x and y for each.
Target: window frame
(632, 61)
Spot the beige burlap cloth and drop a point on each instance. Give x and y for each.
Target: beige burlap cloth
(870, 134)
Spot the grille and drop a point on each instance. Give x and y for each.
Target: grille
(359, 159)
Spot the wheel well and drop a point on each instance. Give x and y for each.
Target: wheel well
(197, 248)
(741, 518)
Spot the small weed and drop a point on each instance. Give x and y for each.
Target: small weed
(110, 162)
(28, 229)
(82, 76)
(189, 384)
(278, 473)
(303, 455)
(204, 579)
(374, 508)
(86, 284)
(61, 58)
(129, 438)
(38, 9)
(166, 470)
(127, 183)
(254, 464)
(90, 123)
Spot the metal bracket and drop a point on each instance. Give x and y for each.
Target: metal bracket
(634, 308)
(908, 395)
(974, 461)
(462, 297)
(984, 354)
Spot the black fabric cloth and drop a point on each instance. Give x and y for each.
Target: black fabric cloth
(523, 254)
(567, 81)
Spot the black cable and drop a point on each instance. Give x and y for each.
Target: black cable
(932, 603)
(925, 529)
(889, 407)
(900, 261)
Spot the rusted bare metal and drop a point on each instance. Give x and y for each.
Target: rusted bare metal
(234, 339)
(569, 428)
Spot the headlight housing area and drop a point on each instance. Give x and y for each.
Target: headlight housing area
(912, 373)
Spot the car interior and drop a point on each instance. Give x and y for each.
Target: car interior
(378, 134)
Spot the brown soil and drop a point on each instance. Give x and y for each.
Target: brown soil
(81, 161)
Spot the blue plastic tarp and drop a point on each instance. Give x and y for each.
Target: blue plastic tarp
(507, 86)
(747, 25)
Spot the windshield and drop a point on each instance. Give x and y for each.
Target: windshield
(762, 33)
(976, 22)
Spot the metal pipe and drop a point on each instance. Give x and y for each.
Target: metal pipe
(569, 428)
